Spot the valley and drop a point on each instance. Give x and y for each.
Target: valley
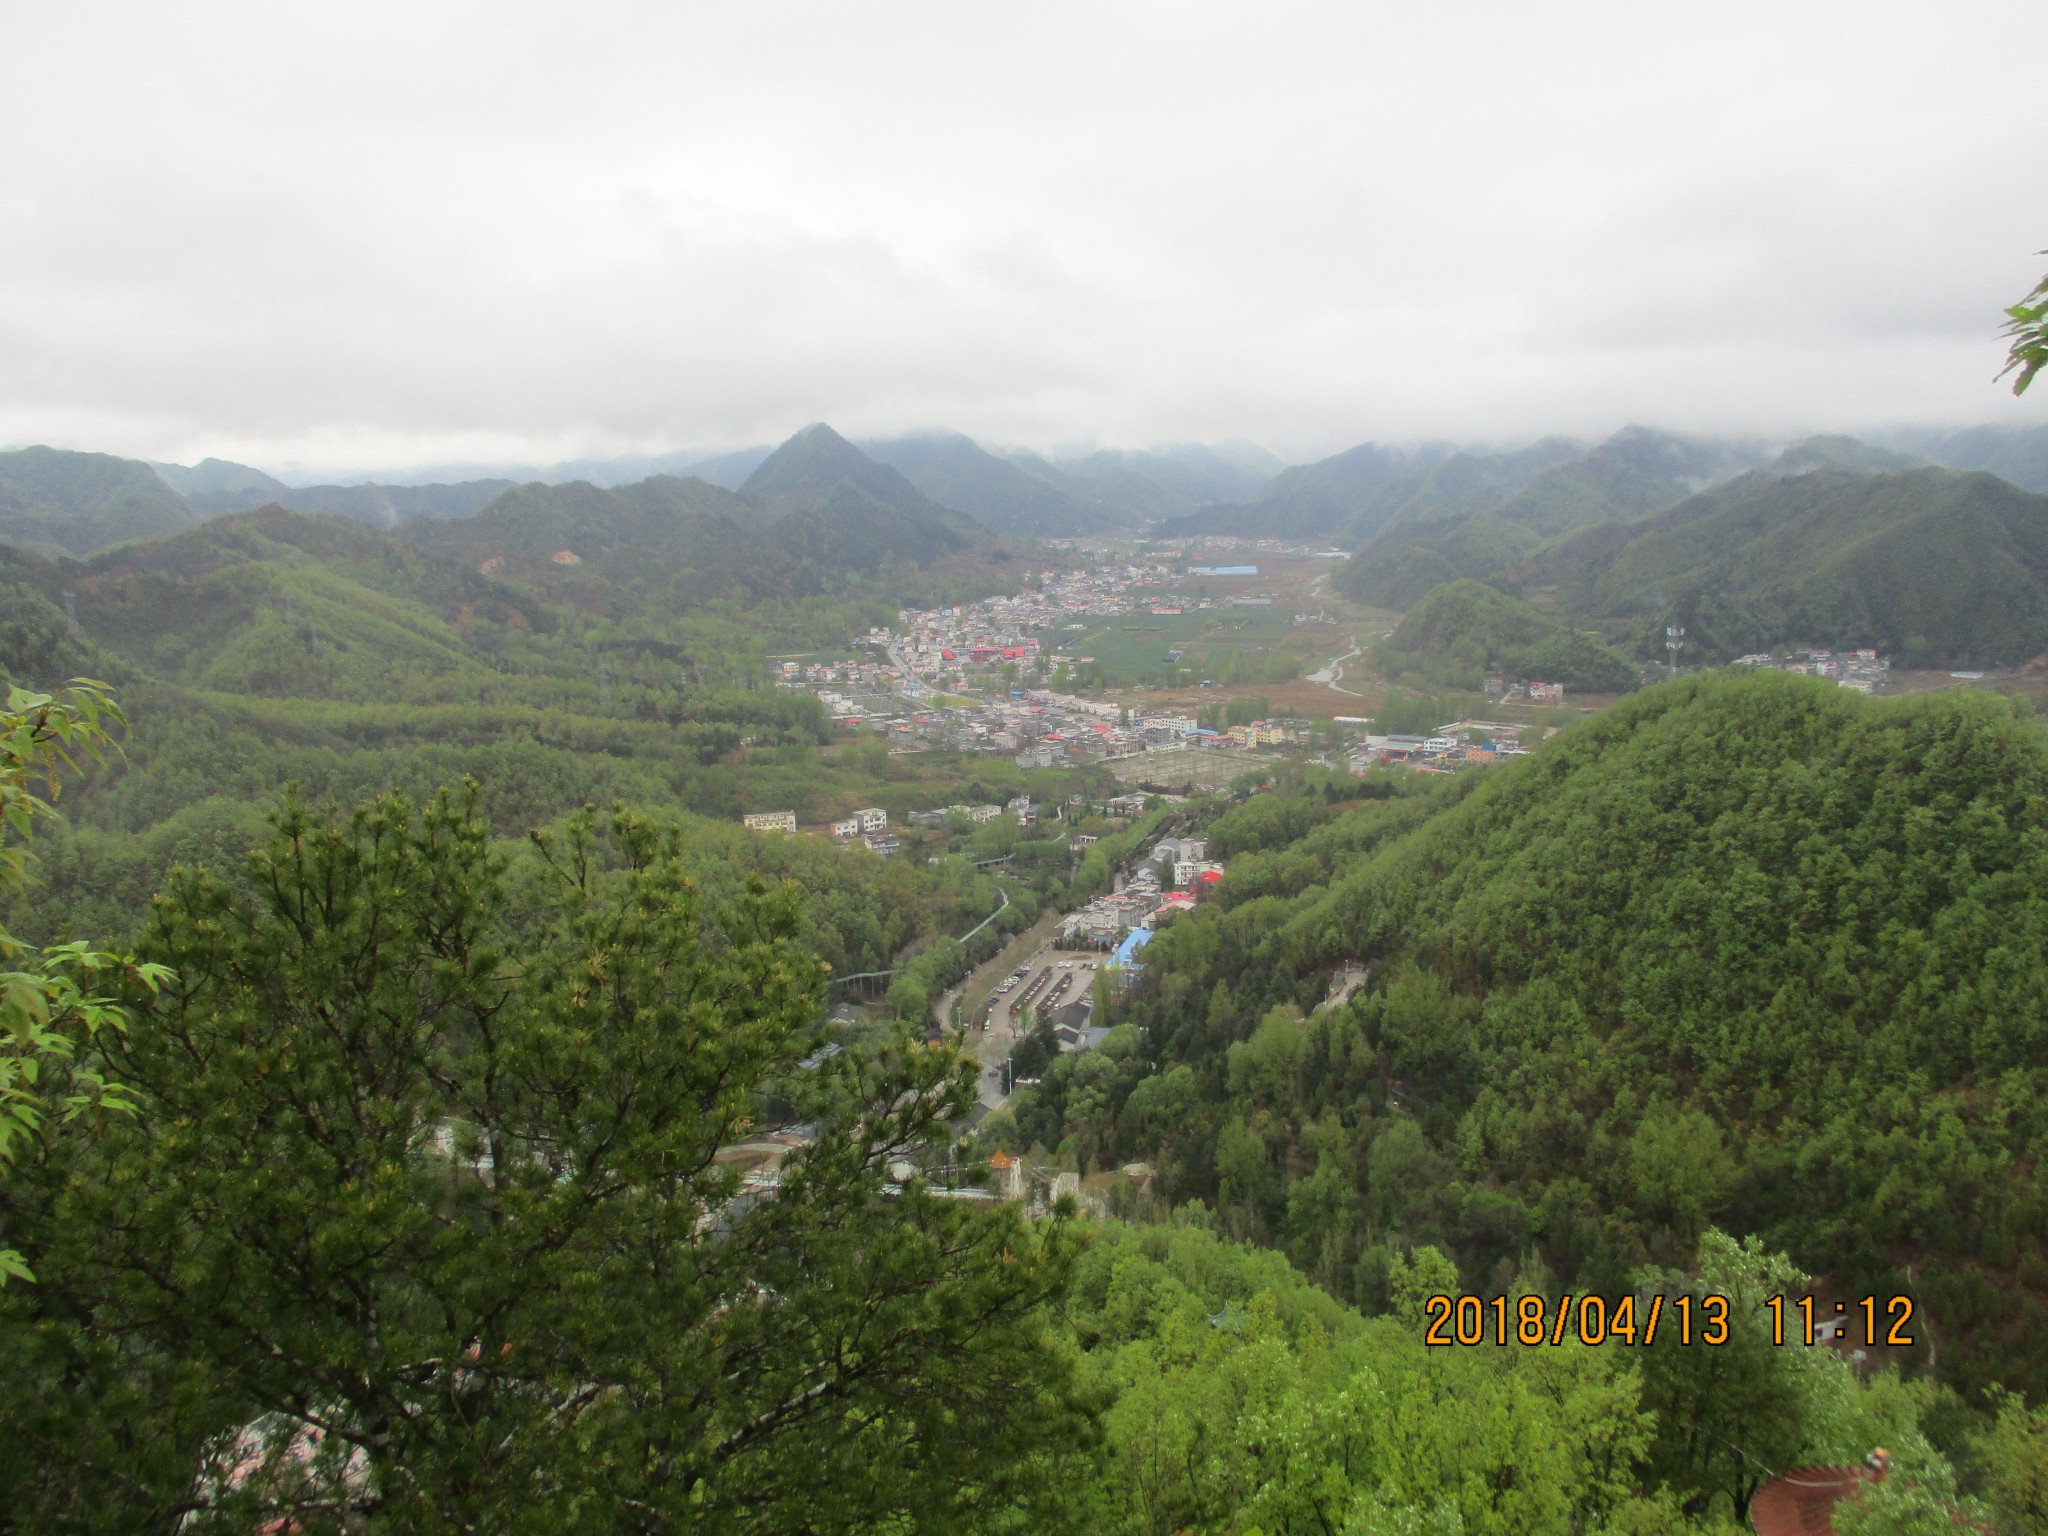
(1274, 912)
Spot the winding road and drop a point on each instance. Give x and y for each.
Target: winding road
(1333, 669)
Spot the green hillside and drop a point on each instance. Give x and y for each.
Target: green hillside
(1124, 486)
(1931, 567)
(854, 529)
(1838, 452)
(1463, 483)
(269, 647)
(1742, 954)
(955, 472)
(1464, 631)
(1351, 497)
(620, 534)
(804, 473)
(274, 604)
(1113, 490)
(1746, 950)
(1635, 472)
(2016, 454)
(214, 486)
(56, 501)
(220, 477)
(377, 506)
(1309, 501)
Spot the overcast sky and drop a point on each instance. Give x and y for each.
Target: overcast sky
(362, 235)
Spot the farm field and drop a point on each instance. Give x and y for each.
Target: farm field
(1227, 644)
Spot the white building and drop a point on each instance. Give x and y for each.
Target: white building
(847, 828)
(874, 819)
(770, 821)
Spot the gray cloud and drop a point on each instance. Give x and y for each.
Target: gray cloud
(381, 234)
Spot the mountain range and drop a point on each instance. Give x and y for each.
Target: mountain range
(1934, 567)
(71, 503)
(997, 493)
(1641, 529)
(214, 486)
(1504, 507)
(61, 502)
(814, 512)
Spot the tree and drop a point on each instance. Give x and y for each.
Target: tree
(1730, 1415)
(435, 1210)
(48, 1000)
(2027, 329)
(2014, 1456)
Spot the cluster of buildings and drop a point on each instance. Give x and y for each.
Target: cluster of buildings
(1453, 746)
(1039, 728)
(859, 675)
(1864, 671)
(1004, 630)
(993, 649)
(1176, 875)
(862, 824)
(869, 826)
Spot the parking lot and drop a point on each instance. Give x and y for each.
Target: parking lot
(1050, 979)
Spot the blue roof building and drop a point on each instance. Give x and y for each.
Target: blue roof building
(1134, 941)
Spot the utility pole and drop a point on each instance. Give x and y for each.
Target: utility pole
(1674, 642)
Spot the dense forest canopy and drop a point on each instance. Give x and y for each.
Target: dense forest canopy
(425, 1219)
(401, 1236)
(1747, 950)
(1930, 567)
(1465, 631)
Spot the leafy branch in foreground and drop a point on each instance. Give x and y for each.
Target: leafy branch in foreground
(48, 999)
(2027, 328)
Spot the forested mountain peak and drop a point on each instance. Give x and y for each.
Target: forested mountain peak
(1199, 472)
(1320, 500)
(865, 511)
(1412, 496)
(1636, 471)
(799, 475)
(958, 473)
(1559, 490)
(370, 503)
(1931, 566)
(2013, 453)
(60, 501)
(1836, 451)
(262, 533)
(216, 476)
